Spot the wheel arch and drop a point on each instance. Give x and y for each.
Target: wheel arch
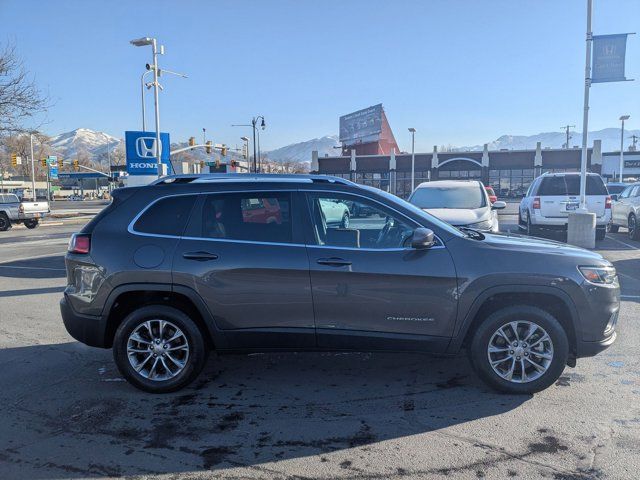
(550, 299)
(127, 298)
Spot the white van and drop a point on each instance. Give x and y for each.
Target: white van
(552, 196)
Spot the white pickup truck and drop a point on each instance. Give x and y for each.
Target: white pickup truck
(12, 210)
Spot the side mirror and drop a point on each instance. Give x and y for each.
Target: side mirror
(422, 238)
(498, 205)
(614, 197)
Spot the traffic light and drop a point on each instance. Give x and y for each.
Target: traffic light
(14, 160)
(76, 165)
(43, 161)
(234, 163)
(223, 150)
(192, 141)
(209, 146)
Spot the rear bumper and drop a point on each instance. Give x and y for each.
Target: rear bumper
(86, 329)
(29, 216)
(561, 222)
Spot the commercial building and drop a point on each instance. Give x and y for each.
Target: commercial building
(509, 172)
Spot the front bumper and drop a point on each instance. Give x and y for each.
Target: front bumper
(598, 318)
(86, 329)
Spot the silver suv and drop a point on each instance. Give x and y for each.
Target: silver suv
(552, 196)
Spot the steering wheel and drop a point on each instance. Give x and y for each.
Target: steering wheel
(382, 236)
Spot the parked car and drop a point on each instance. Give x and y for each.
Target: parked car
(75, 198)
(461, 203)
(625, 212)
(169, 271)
(14, 211)
(616, 188)
(492, 194)
(552, 196)
(336, 212)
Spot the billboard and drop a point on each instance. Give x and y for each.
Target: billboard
(363, 125)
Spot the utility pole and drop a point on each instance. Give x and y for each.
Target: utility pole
(33, 170)
(622, 119)
(566, 129)
(634, 138)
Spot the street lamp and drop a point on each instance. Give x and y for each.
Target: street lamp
(622, 119)
(254, 122)
(413, 157)
(142, 42)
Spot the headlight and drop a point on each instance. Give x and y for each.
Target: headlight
(600, 275)
(484, 225)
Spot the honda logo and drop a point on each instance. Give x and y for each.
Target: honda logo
(146, 147)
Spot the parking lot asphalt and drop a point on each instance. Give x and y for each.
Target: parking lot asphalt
(67, 413)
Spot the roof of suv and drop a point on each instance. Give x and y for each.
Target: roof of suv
(249, 178)
(448, 183)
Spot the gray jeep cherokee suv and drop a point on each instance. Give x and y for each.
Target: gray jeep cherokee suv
(245, 263)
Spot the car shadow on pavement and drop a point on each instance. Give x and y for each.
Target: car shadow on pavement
(40, 267)
(76, 417)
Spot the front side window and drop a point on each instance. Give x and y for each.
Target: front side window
(167, 216)
(354, 222)
(250, 216)
(626, 192)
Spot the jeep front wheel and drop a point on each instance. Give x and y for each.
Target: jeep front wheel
(159, 349)
(519, 349)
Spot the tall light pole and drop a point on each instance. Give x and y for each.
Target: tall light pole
(622, 119)
(33, 170)
(141, 42)
(254, 122)
(413, 158)
(144, 122)
(585, 116)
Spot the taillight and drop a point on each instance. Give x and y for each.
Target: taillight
(21, 208)
(536, 203)
(80, 243)
(607, 203)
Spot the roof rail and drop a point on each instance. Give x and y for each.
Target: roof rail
(249, 177)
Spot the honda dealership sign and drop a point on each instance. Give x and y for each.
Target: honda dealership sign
(141, 152)
(608, 58)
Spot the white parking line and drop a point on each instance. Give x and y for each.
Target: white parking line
(623, 243)
(626, 297)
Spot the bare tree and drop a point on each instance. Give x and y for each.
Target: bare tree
(20, 98)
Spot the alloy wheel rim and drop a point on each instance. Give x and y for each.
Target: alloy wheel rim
(157, 350)
(345, 221)
(520, 351)
(3, 222)
(632, 226)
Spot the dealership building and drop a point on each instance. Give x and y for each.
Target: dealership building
(509, 172)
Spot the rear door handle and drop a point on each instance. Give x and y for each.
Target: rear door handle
(200, 256)
(334, 262)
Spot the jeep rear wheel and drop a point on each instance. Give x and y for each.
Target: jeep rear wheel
(159, 349)
(519, 349)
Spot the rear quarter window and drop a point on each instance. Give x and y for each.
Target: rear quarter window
(167, 216)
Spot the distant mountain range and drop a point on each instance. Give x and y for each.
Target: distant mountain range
(610, 140)
(95, 144)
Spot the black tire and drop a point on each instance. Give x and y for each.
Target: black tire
(5, 223)
(530, 229)
(482, 336)
(601, 233)
(634, 228)
(196, 359)
(345, 220)
(614, 228)
(31, 224)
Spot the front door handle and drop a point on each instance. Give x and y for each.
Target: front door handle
(334, 262)
(199, 256)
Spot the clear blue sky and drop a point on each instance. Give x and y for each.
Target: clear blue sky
(460, 72)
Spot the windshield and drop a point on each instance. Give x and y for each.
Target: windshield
(430, 218)
(465, 196)
(616, 188)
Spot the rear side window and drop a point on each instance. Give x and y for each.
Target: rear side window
(250, 216)
(167, 216)
(564, 185)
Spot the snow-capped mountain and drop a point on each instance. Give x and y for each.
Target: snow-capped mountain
(610, 140)
(301, 152)
(84, 140)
